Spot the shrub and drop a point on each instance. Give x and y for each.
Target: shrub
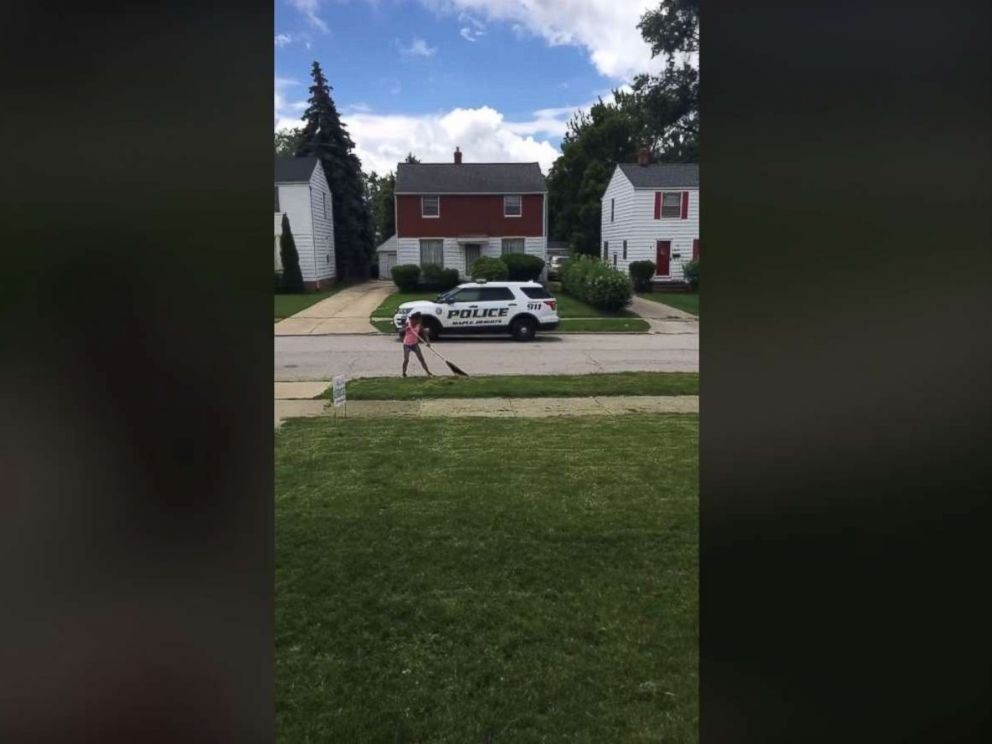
(491, 269)
(406, 277)
(641, 273)
(292, 277)
(278, 276)
(438, 277)
(522, 267)
(691, 273)
(593, 281)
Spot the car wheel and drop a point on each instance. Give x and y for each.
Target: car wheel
(524, 329)
(432, 329)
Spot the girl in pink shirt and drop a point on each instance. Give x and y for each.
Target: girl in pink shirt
(411, 342)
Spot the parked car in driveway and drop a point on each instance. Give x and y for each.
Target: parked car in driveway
(518, 308)
(555, 266)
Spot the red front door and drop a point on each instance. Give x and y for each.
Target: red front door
(664, 258)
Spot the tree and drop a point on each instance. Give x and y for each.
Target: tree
(669, 102)
(325, 137)
(411, 158)
(287, 141)
(292, 277)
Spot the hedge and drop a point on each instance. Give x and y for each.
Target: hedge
(406, 277)
(437, 277)
(641, 273)
(595, 282)
(523, 267)
(491, 269)
(690, 271)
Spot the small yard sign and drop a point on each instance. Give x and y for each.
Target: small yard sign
(339, 395)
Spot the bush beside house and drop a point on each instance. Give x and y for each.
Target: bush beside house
(438, 278)
(523, 267)
(490, 269)
(406, 277)
(641, 273)
(691, 273)
(292, 277)
(593, 281)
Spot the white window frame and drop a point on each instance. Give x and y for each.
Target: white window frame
(520, 202)
(430, 216)
(502, 245)
(420, 245)
(678, 216)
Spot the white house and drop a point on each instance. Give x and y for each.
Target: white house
(303, 194)
(387, 257)
(651, 213)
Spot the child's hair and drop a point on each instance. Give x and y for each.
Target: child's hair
(415, 316)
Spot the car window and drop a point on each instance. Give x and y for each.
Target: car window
(469, 294)
(494, 294)
(537, 293)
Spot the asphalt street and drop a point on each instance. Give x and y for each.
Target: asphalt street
(323, 357)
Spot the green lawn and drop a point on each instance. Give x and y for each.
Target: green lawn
(569, 307)
(687, 301)
(467, 580)
(389, 305)
(290, 304)
(522, 386)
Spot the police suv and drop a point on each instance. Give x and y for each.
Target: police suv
(518, 308)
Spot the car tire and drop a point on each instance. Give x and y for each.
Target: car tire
(524, 329)
(432, 329)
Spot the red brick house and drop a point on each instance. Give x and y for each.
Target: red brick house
(452, 213)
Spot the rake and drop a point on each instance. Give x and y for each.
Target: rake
(453, 367)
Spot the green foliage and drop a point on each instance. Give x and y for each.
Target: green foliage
(523, 267)
(278, 282)
(379, 196)
(287, 141)
(690, 271)
(437, 277)
(597, 283)
(406, 277)
(490, 269)
(641, 273)
(292, 277)
(325, 137)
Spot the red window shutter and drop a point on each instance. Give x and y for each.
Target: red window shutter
(685, 204)
(657, 205)
(695, 249)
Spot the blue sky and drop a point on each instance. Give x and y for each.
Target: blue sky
(499, 78)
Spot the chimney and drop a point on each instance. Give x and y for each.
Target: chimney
(643, 156)
(458, 156)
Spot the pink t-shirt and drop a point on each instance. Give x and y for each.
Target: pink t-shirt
(410, 334)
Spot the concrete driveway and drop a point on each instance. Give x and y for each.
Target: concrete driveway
(323, 357)
(346, 312)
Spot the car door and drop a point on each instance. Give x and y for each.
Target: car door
(497, 305)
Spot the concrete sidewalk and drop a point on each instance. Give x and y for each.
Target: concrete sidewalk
(346, 312)
(490, 407)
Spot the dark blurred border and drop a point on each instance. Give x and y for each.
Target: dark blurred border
(846, 366)
(136, 528)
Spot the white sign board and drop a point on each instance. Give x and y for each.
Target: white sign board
(339, 396)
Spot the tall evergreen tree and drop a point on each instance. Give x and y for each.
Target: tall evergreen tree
(292, 277)
(325, 137)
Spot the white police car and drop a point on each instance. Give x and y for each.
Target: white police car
(518, 308)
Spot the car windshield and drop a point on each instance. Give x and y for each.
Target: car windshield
(445, 296)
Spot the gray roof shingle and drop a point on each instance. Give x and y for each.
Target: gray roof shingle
(662, 175)
(469, 178)
(294, 170)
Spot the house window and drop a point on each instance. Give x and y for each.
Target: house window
(606, 249)
(614, 260)
(323, 199)
(512, 206)
(513, 245)
(625, 250)
(612, 210)
(432, 252)
(430, 206)
(671, 204)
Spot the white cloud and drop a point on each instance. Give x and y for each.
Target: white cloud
(287, 112)
(607, 29)
(418, 48)
(283, 39)
(471, 34)
(309, 9)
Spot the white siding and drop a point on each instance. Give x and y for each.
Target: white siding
(634, 221)
(408, 250)
(312, 233)
(323, 227)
